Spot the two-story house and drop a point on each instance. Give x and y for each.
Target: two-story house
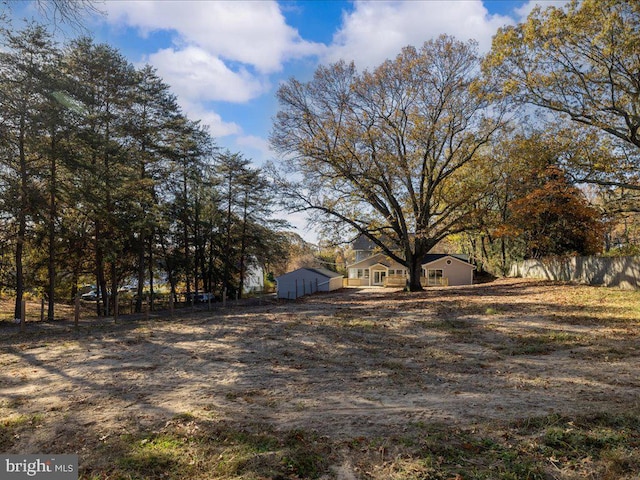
(373, 268)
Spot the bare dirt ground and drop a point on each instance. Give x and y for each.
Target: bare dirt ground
(355, 364)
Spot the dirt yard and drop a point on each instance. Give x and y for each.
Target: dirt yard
(456, 383)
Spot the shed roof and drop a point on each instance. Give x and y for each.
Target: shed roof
(326, 272)
(318, 271)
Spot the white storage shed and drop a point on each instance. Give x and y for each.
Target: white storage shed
(305, 281)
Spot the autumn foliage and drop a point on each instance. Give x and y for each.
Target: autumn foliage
(554, 217)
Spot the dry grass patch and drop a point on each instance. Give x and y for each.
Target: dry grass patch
(510, 380)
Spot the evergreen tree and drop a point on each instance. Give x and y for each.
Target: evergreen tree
(104, 82)
(149, 126)
(25, 62)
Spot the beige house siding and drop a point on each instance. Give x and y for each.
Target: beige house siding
(372, 271)
(454, 271)
(379, 270)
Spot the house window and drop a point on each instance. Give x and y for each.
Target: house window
(399, 272)
(358, 273)
(434, 277)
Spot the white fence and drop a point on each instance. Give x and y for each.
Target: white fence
(620, 272)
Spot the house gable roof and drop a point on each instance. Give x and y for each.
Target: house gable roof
(362, 242)
(379, 264)
(372, 260)
(434, 257)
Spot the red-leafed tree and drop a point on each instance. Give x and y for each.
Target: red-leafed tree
(554, 217)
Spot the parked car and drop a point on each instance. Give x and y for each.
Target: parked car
(91, 296)
(202, 297)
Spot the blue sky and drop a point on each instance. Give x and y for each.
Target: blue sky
(225, 59)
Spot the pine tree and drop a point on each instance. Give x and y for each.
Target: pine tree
(25, 62)
(150, 126)
(104, 81)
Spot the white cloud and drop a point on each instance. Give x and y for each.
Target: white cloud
(377, 30)
(195, 73)
(221, 51)
(523, 11)
(217, 127)
(300, 223)
(250, 32)
(256, 143)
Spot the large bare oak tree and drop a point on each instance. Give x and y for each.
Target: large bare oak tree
(393, 153)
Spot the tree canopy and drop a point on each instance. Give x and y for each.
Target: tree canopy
(103, 179)
(390, 153)
(552, 217)
(580, 61)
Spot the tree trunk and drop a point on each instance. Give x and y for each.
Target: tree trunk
(101, 281)
(22, 222)
(170, 268)
(141, 274)
(415, 274)
(197, 274)
(185, 233)
(485, 253)
(226, 278)
(113, 298)
(414, 261)
(243, 244)
(52, 232)
(75, 278)
(19, 272)
(503, 255)
(151, 270)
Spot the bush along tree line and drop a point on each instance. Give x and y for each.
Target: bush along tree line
(530, 151)
(102, 177)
